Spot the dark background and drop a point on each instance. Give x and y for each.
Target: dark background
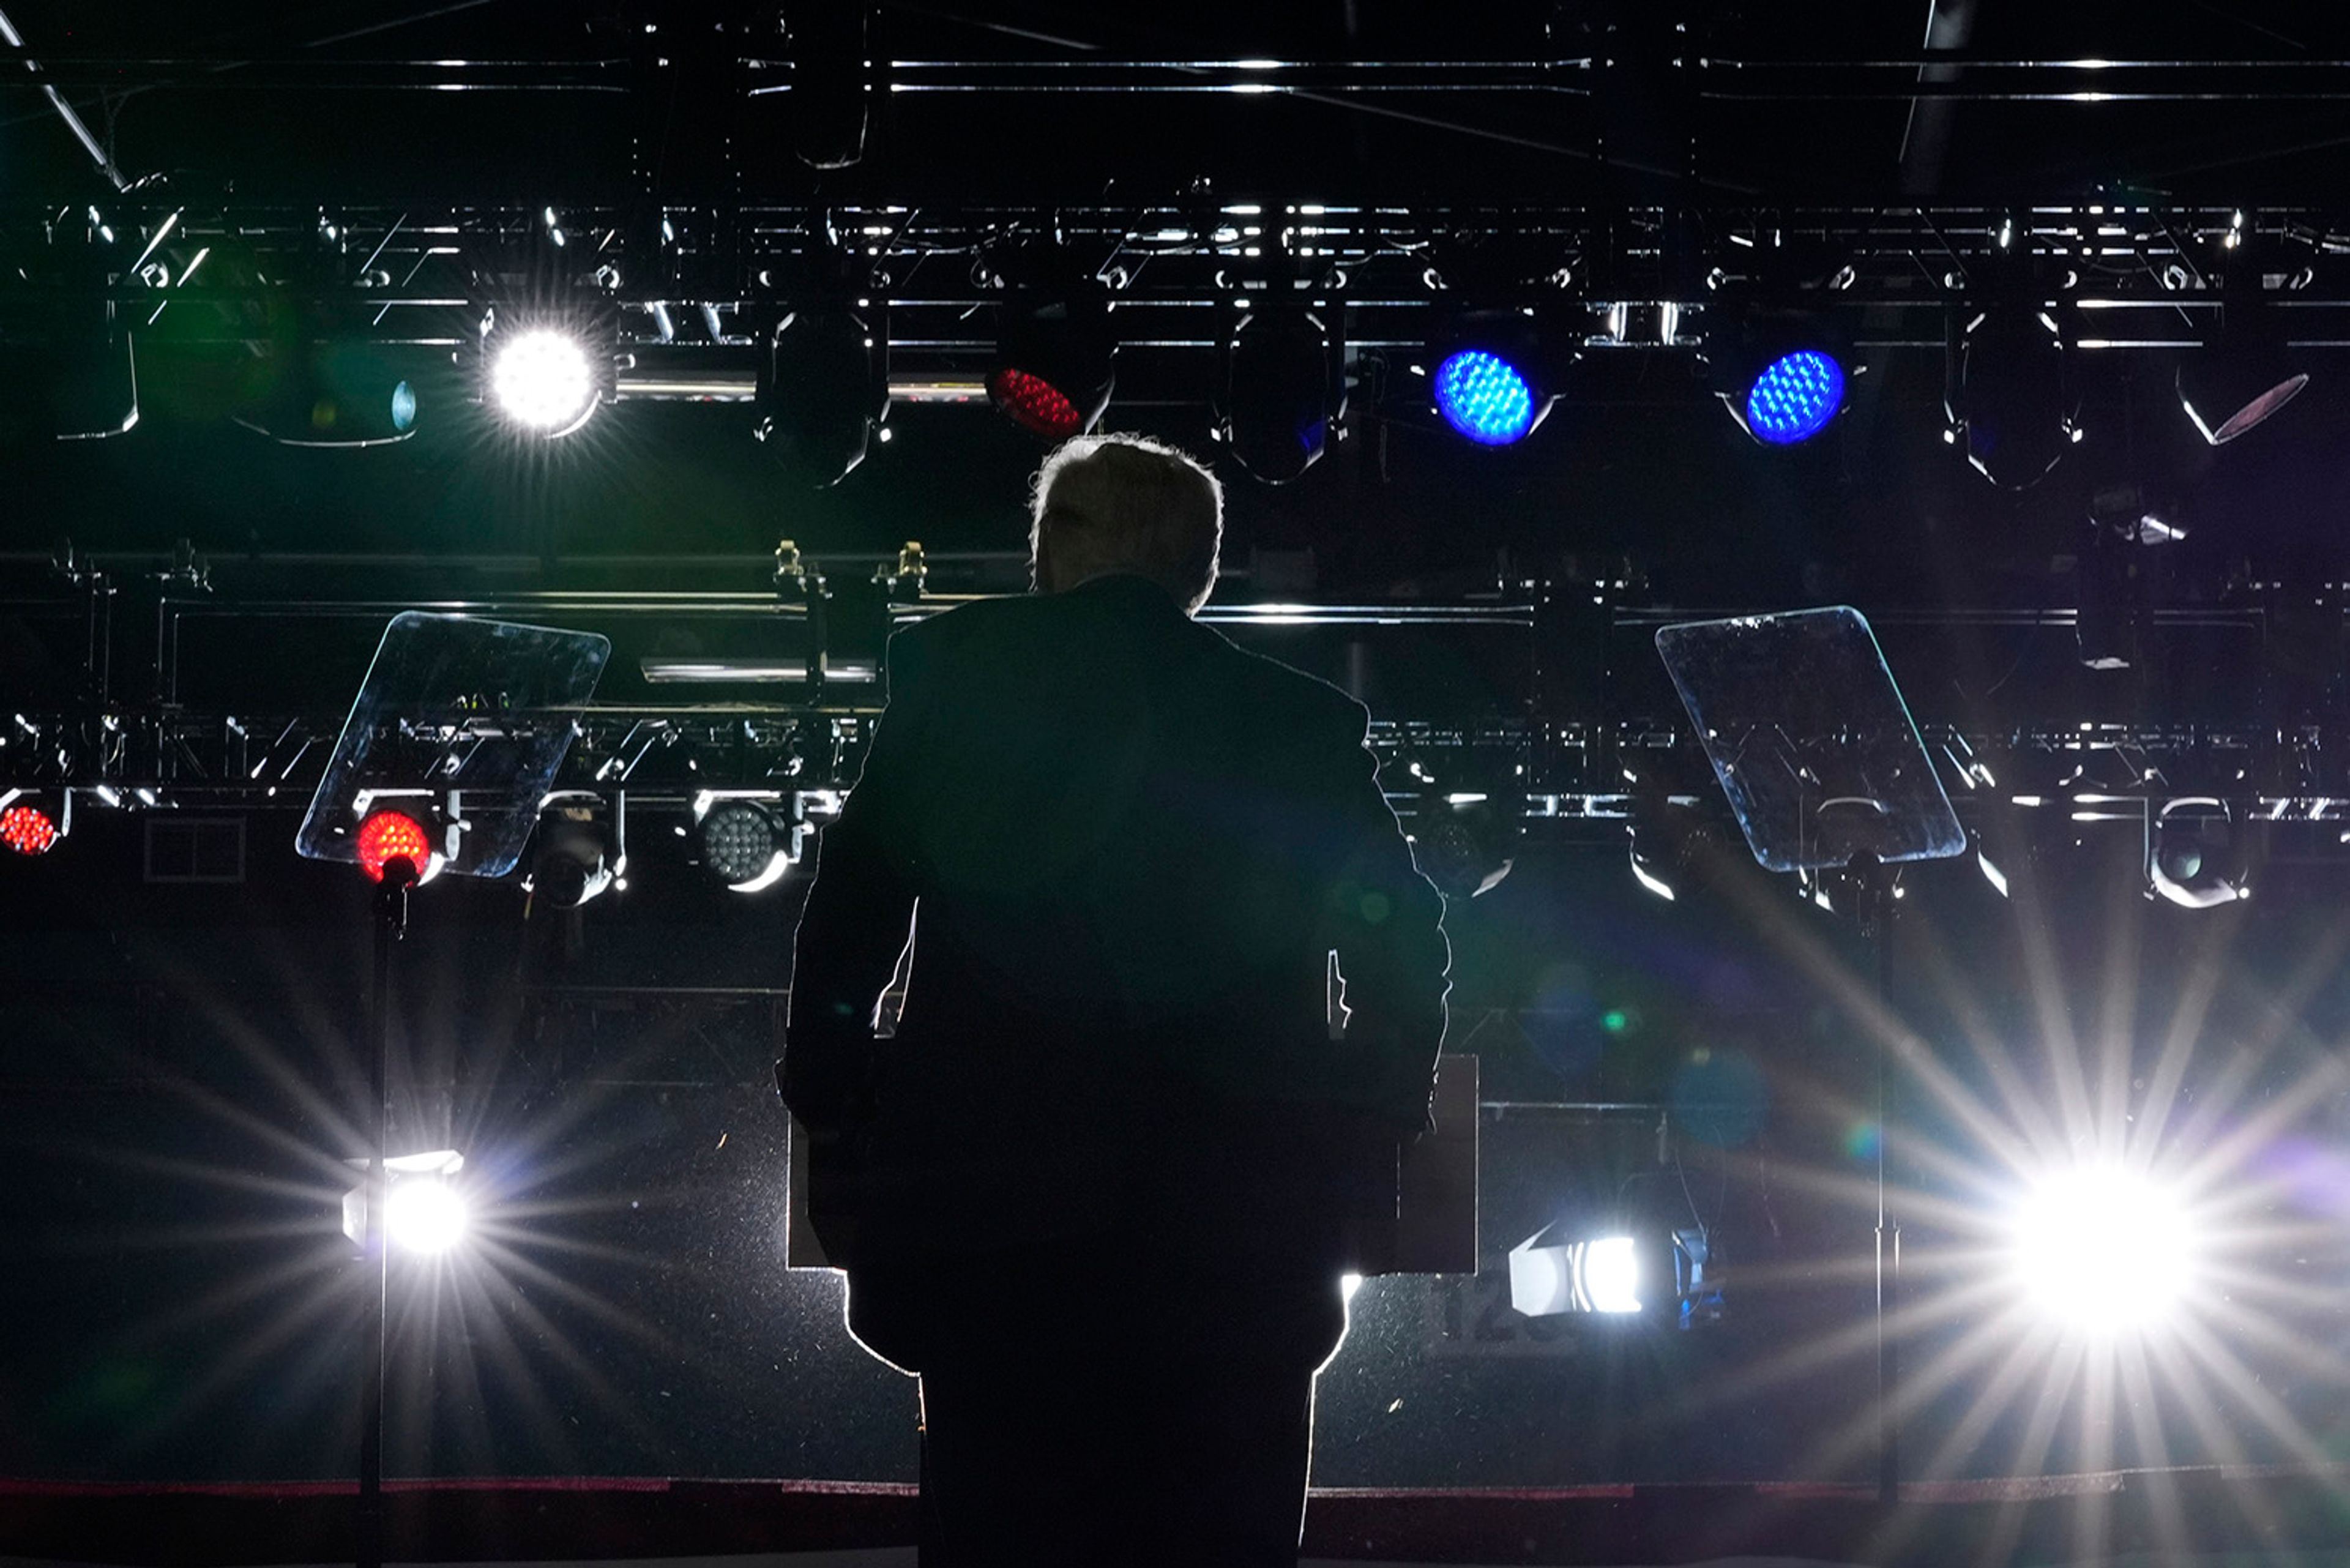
(179, 1067)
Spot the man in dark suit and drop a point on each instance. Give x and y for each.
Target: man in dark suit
(1096, 1187)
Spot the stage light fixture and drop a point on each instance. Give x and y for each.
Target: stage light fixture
(2245, 372)
(824, 390)
(1275, 410)
(2008, 391)
(1776, 349)
(387, 835)
(69, 369)
(542, 380)
(2102, 1248)
(423, 1211)
(1794, 398)
(1463, 842)
(83, 389)
(2197, 857)
(1055, 360)
(340, 393)
(576, 859)
(546, 367)
(1783, 374)
(28, 829)
(1668, 842)
(742, 844)
(1491, 380)
(832, 81)
(1601, 1274)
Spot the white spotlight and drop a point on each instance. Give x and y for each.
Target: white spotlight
(543, 381)
(1611, 1275)
(2104, 1249)
(427, 1216)
(422, 1211)
(1602, 1275)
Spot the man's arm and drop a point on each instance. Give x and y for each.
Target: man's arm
(855, 924)
(1386, 923)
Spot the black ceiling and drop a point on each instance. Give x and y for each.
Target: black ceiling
(1386, 100)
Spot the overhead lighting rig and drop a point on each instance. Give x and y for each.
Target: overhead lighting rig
(67, 367)
(824, 384)
(34, 822)
(551, 331)
(2199, 856)
(1281, 391)
(1779, 356)
(2245, 371)
(548, 342)
(581, 850)
(1494, 375)
(404, 824)
(2009, 389)
(748, 839)
(1055, 365)
(322, 379)
(833, 80)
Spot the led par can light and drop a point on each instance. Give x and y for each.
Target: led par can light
(1493, 376)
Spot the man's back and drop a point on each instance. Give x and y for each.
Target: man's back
(1133, 848)
(1124, 850)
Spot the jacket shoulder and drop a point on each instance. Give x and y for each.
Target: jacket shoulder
(1307, 700)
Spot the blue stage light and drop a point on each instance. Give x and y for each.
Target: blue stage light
(1484, 397)
(1794, 397)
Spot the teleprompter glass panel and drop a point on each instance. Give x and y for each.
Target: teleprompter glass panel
(1811, 740)
(476, 713)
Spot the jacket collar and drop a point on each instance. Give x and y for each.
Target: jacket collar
(1133, 586)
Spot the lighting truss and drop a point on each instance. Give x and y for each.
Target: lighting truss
(2141, 286)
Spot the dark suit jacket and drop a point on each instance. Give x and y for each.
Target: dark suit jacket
(1125, 849)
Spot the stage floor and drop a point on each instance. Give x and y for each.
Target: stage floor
(2251, 1518)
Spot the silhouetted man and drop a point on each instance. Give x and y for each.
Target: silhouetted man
(1095, 1188)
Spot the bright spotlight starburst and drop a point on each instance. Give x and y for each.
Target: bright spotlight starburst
(2102, 1248)
(424, 1215)
(542, 380)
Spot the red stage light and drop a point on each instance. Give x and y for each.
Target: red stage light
(27, 830)
(389, 836)
(1035, 404)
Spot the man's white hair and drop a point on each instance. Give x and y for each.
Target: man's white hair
(1126, 503)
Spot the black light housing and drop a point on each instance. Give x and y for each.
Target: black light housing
(579, 852)
(2245, 372)
(824, 388)
(1054, 359)
(2008, 393)
(2198, 855)
(1465, 843)
(1276, 405)
(1777, 352)
(335, 391)
(832, 81)
(67, 368)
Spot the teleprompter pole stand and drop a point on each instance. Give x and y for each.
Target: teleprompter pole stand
(1872, 881)
(391, 925)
